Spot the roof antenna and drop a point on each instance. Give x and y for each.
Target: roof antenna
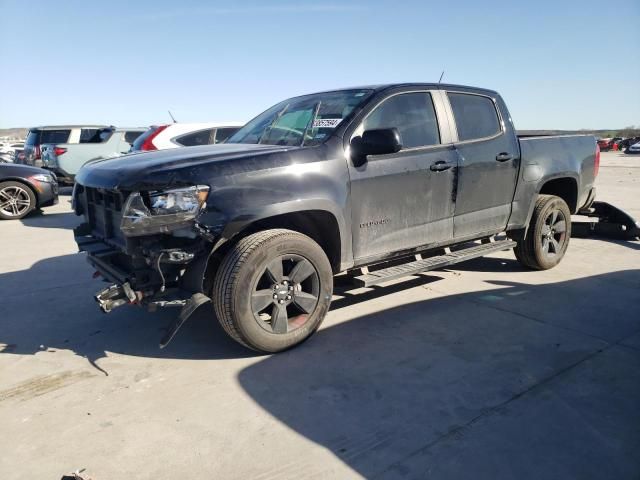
(441, 75)
(174, 120)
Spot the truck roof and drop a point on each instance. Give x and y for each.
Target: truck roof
(385, 86)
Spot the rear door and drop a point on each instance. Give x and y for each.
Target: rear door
(406, 199)
(488, 161)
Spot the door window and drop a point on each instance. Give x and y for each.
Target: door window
(95, 135)
(223, 133)
(412, 114)
(476, 116)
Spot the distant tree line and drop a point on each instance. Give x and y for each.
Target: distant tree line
(630, 131)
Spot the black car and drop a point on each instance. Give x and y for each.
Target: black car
(331, 182)
(24, 189)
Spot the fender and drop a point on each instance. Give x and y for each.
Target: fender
(541, 184)
(241, 221)
(545, 159)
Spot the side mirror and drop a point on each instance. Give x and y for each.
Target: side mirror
(375, 142)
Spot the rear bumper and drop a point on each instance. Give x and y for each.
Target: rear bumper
(590, 199)
(605, 220)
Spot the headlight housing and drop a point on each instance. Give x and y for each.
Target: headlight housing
(148, 213)
(43, 177)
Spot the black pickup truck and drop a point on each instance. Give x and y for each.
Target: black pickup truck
(379, 182)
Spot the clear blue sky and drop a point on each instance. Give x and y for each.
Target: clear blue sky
(559, 64)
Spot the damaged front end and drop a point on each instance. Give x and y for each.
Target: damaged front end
(148, 245)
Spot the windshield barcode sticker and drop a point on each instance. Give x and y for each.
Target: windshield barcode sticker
(326, 122)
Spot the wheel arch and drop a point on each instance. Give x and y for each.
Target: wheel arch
(564, 187)
(27, 184)
(322, 226)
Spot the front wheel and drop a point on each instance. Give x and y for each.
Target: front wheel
(16, 200)
(548, 236)
(272, 290)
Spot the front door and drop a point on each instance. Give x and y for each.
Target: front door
(406, 199)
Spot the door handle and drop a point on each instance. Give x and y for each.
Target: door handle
(440, 166)
(503, 157)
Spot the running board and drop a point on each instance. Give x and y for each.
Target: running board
(431, 263)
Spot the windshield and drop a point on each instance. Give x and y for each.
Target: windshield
(301, 121)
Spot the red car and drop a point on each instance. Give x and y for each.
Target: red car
(606, 144)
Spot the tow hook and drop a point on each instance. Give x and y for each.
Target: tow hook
(115, 296)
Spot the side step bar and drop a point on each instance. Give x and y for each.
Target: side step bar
(431, 263)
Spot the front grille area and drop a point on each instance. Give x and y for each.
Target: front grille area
(103, 212)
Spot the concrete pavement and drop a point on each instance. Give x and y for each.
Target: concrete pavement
(480, 371)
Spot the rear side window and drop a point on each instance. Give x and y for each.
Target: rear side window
(54, 136)
(201, 137)
(475, 116)
(412, 114)
(37, 137)
(223, 133)
(95, 135)
(131, 137)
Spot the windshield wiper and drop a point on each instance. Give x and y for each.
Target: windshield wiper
(275, 119)
(311, 121)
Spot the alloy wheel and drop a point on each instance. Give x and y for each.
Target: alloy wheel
(14, 201)
(554, 233)
(285, 294)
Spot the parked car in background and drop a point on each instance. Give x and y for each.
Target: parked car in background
(39, 135)
(8, 151)
(24, 189)
(633, 149)
(608, 144)
(175, 135)
(627, 142)
(84, 145)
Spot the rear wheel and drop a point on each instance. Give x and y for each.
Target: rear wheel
(272, 290)
(16, 200)
(548, 235)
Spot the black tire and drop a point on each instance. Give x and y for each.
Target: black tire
(17, 200)
(249, 277)
(548, 236)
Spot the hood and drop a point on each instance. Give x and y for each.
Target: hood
(19, 170)
(173, 167)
